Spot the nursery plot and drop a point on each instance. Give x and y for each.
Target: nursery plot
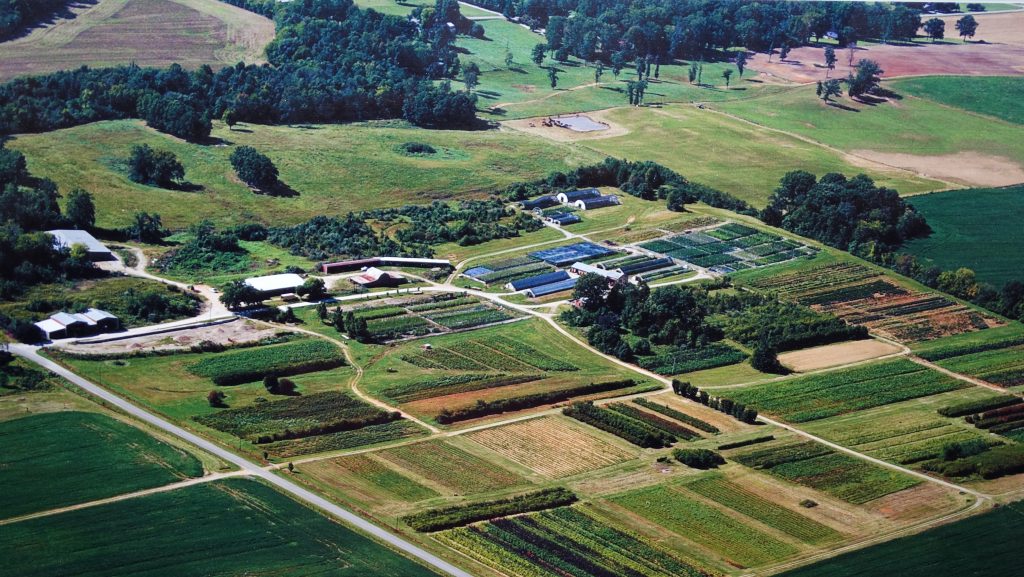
(246, 365)
(365, 477)
(532, 444)
(451, 467)
(1003, 367)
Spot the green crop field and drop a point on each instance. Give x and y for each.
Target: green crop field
(54, 460)
(1003, 367)
(973, 546)
(997, 96)
(834, 393)
(742, 159)
(975, 228)
(219, 528)
(247, 365)
(452, 468)
(334, 168)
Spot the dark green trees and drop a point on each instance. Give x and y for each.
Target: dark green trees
(935, 29)
(154, 167)
(80, 210)
(254, 168)
(967, 26)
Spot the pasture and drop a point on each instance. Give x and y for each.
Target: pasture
(208, 529)
(990, 95)
(53, 460)
(975, 228)
(320, 162)
(948, 145)
(144, 32)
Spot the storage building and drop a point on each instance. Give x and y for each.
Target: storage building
(275, 284)
(374, 277)
(534, 281)
(63, 238)
(596, 202)
(574, 195)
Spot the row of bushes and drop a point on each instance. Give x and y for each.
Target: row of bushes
(746, 443)
(677, 415)
(459, 515)
(698, 458)
(483, 408)
(975, 407)
(656, 421)
(338, 426)
(739, 411)
(640, 434)
(991, 464)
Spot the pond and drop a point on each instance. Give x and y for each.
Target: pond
(582, 123)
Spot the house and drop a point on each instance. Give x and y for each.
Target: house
(596, 202)
(65, 325)
(374, 277)
(562, 218)
(275, 284)
(582, 268)
(541, 202)
(64, 238)
(538, 280)
(574, 195)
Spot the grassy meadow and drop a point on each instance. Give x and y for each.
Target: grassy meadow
(997, 96)
(333, 168)
(975, 228)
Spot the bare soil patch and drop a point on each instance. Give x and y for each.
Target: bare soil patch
(535, 126)
(917, 503)
(834, 355)
(235, 332)
(968, 168)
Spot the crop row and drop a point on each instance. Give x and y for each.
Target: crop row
(496, 360)
(369, 314)
(295, 415)
(443, 358)
(807, 281)
(452, 467)
(371, 435)
(639, 433)
(392, 327)
(660, 423)
(247, 365)
(684, 360)
(713, 260)
(508, 263)
(677, 415)
(470, 318)
(451, 385)
(974, 407)
(527, 354)
(442, 304)
(460, 515)
(498, 406)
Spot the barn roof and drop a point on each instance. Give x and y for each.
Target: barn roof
(275, 282)
(67, 238)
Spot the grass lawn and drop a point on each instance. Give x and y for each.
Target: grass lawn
(58, 459)
(742, 159)
(220, 528)
(975, 228)
(974, 546)
(334, 168)
(997, 96)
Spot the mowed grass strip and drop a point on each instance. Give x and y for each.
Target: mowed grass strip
(54, 460)
(705, 525)
(216, 528)
(451, 467)
(735, 497)
(997, 96)
(835, 393)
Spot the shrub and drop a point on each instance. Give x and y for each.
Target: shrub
(254, 168)
(418, 148)
(640, 434)
(459, 515)
(745, 443)
(698, 458)
(216, 399)
(484, 408)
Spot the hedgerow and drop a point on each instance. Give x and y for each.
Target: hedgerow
(636, 432)
(459, 515)
(484, 408)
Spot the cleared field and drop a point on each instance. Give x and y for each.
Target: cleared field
(838, 354)
(209, 529)
(994, 96)
(54, 460)
(366, 479)
(564, 541)
(735, 541)
(451, 467)
(742, 159)
(144, 32)
(975, 228)
(824, 395)
(318, 161)
(529, 443)
(973, 545)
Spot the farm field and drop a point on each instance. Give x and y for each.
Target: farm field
(980, 545)
(973, 228)
(993, 96)
(53, 460)
(1004, 367)
(143, 32)
(213, 528)
(949, 146)
(729, 154)
(826, 356)
(318, 161)
(454, 470)
(367, 480)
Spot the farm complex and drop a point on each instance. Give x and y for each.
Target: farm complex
(615, 288)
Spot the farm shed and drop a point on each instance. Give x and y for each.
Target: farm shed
(562, 218)
(275, 284)
(551, 288)
(350, 265)
(97, 251)
(63, 325)
(545, 201)
(574, 195)
(533, 281)
(563, 255)
(347, 265)
(582, 268)
(374, 277)
(596, 202)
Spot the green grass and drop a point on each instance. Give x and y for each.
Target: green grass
(58, 459)
(997, 96)
(974, 546)
(219, 528)
(742, 159)
(988, 339)
(975, 228)
(405, 7)
(334, 168)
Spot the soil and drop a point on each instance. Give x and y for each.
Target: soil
(230, 333)
(837, 354)
(535, 126)
(967, 168)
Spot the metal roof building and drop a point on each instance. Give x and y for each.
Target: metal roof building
(276, 283)
(596, 202)
(555, 287)
(374, 277)
(62, 325)
(66, 238)
(539, 202)
(534, 281)
(582, 268)
(574, 195)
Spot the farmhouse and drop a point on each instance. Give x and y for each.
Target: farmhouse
(64, 325)
(596, 202)
(574, 195)
(582, 268)
(374, 277)
(275, 284)
(64, 238)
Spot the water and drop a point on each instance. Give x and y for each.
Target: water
(582, 124)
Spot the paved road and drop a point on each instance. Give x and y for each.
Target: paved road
(31, 353)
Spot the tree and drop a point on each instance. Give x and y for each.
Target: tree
(960, 283)
(321, 311)
(975, 7)
(727, 74)
(598, 71)
(829, 88)
(830, 60)
(477, 30)
(216, 399)
(868, 75)
(691, 73)
(254, 168)
(553, 77)
(238, 294)
(509, 60)
(154, 167)
(314, 289)
(783, 52)
(537, 55)
(80, 209)
(271, 382)
(471, 76)
(935, 29)
(765, 358)
(589, 291)
(618, 62)
(338, 319)
(967, 26)
(146, 227)
(230, 118)
(741, 62)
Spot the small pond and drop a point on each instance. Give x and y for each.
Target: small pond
(581, 123)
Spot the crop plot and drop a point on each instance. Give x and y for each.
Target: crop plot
(1003, 367)
(530, 443)
(564, 541)
(816, 466)
(451, 467)
(862, 296)
(366, 474)
(247, 365)
(364, 436)
(728, 248)
(684, 360)
(419, 316)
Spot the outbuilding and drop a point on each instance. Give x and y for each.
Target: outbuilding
(275, 284)
(374, 277)
(596, 202)
(574, 195)
(582, 268)
(540, 202)
(66, 238)
(65, 325)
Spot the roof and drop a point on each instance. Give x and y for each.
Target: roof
(393, 260)
(539, 202)
(564, 218)
(98, 315)
(599, 201)
(546, 278)
(477, 271)
(67, 238)
(552, 288)
(67, 319)
(573, 195)
(275, 282)
(584, 268)
(647, 265)
(372, 274)
(49, 326)
(563, 255)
